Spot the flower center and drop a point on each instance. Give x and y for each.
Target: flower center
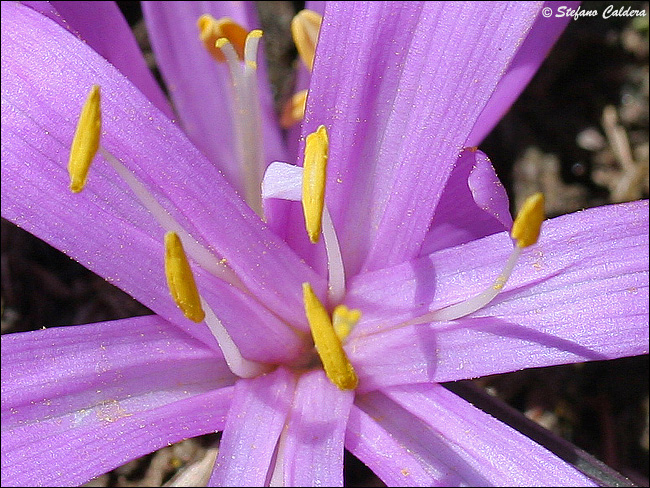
(307, 184)
(327, 333)
(281, 180)
(229, 43)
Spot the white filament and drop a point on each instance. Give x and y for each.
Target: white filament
(284, 181)
(206, 259)
(458, 310)
(336, 272)
(247, 119)
(239, 365)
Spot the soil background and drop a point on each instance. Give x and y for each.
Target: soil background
(579, 133)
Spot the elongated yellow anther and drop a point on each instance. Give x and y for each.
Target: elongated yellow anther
(528, 223)
(313, 181)
(211, 29)
(181, 280)
(344, 319)
(86, 140)
(305, 27)
(294, 110)
(336, 363)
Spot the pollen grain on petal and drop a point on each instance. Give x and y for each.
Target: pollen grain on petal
(211, 29)
(181, 280)
(313, 183)
(527, 225)
(335, 362)
(305, 28)
(86, 140)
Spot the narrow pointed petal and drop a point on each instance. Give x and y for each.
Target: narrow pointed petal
(312, 446)
(69, 393)
(455, 441)
(580, 294)
(529, 57)
(400, 114)
(104, 28)
(253, 426)
(38, 117)
(200, 87)
(474, 204)
(389, 457)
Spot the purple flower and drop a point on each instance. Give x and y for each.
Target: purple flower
(423, 229)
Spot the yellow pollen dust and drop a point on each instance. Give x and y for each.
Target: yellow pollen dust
(525, 229)
(313, 181)
(305, 28)
(181, 280)
(343, 319)
(294, 110)
(86, 140)
(335, 362)
(211, 29)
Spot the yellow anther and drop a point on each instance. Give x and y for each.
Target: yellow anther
(313, 181)
(221, 42)
(526, 227)
(86, 140)
(305, 27)
(181, 280)
(343, 319)
(294, 110)
(211, 29)
(336, 363)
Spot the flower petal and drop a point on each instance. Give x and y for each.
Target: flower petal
(103, 27)
(312, 445)
(200, 87)
(38, 116)
(70, 393)
(253, 426)
(470, 444)
(524, 65)
(246, 321)
(387, 456)
(580, 287)
(400, 114)
(474, 204)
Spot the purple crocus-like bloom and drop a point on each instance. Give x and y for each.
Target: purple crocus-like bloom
(422, 226)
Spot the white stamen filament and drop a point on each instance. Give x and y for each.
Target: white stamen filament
(284, 181)
(335, 269)
(239, 365)
(207, 260)
(458, 310)
(247, 118)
